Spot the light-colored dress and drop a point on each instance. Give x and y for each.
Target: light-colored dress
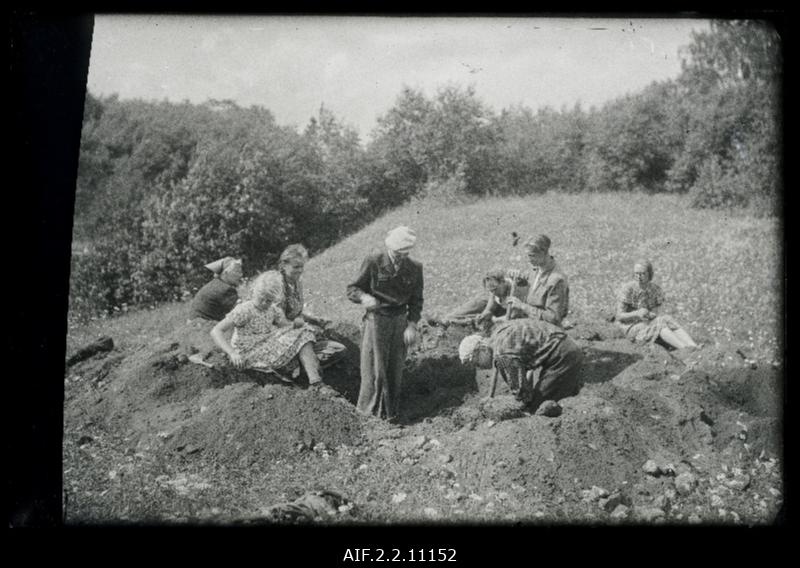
(635, 297)
(263, 337)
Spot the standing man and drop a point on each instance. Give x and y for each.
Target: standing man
(548, 297)
(389, 286)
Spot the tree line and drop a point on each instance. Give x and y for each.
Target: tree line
(163, 188)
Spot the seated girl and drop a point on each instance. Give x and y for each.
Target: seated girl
(263, 339)
(637, 301)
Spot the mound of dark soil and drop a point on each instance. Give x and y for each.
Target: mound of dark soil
(708, 415)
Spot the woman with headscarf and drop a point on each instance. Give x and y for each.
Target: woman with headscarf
(291, 265)
(263, 339)
(637, 301)
(389, 285)
(211, 303)
(518, 347)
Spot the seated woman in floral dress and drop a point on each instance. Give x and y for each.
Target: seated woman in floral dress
(637, 301)
(263, 339)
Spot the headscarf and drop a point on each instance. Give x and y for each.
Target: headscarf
(468, 345)
(540, 243)
(400, 239)
(221, 265)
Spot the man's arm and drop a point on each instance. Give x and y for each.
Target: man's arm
(362, 284)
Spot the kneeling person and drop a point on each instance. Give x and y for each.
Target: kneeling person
(519, 346)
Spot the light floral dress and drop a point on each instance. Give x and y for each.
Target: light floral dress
(265, 338)
(635, 297)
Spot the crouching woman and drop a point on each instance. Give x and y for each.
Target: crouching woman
(518, 347)
(263, 339)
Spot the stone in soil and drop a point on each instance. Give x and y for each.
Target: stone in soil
(649, 514)
(549, 408)
(685, 483)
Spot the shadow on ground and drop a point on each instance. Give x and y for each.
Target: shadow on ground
(432, 385)
(601, 365)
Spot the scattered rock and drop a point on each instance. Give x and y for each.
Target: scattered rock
(739, 482)
(431, 513)
(398, 498)
(620, 512)
(649, 514)
(694, 519)
(614, 500)
(594, 493)
(444, 458)
(662, 502)
(685, 483)
(716, 501)
(650, 467)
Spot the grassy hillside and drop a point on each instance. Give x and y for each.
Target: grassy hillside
(721, 274)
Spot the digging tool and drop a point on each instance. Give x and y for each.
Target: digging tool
(493, 386)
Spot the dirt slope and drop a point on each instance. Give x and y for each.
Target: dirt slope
(651, 437)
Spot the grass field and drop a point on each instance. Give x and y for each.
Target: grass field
(722, 274)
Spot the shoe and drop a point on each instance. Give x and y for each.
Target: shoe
(321, 387)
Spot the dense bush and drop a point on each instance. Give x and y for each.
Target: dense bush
(163, 188)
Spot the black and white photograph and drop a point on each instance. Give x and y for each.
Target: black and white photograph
(404, 270)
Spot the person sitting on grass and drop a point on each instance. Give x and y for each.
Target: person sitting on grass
(518, 347)
(291, 265)
(210, 304)
(263, 339)
(637, 301)
(485, 310)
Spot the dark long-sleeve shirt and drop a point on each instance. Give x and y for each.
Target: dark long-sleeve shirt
(214, 300)
(396, 291)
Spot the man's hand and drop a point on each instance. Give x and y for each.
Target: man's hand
(410, 334)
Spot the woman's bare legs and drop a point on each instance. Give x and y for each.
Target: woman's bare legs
(677, 338)
(684, 337)
(310, 363)
(670, 338)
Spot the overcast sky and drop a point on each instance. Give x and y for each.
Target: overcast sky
(357, 66)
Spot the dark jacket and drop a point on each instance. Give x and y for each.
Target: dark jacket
(396, 292)
(214, 300)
